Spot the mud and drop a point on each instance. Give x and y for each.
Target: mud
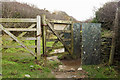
(70, 69)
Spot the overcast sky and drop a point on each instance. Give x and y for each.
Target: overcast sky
(79, 9)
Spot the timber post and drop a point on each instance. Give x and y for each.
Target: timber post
(115, 35)
(44, 34)
(38, 40)
(72, 42)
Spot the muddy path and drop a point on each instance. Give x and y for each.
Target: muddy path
(69, 69)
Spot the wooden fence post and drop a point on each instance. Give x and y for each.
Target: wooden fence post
(72, 42)
(44, 33)
(0, 54)
(38, 35)
(114, 36)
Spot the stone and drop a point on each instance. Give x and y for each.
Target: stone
(31, 66)
(27, 75)
(53, 58)
(61, 67)
(79, 69)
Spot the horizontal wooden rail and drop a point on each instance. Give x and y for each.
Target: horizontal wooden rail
(60, 31)
(21, 29)
(61, 21)
(66, 31)
(57, 39)
(21, 38)
(17, 20)
(58, 47)
(28, 38)
(14, 46)
(56, 54)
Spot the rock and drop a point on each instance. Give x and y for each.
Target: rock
(73, 76)
(72, 69)
(31, 66)
(98, 67)
(79, 69)
(27, 75)
(61, 67)
(53, 58)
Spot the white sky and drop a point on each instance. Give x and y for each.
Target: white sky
(79, 9)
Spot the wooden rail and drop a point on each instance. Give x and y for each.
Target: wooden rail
(36, 22)
(60, 21)
(49, 29)
(39, 23)
(17, 20)
(21, 29)
(22, 38)
(14, 46)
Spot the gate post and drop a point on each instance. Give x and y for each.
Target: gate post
(38, 36)
(0, 54)
(44, 34)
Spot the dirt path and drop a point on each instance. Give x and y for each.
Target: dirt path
(69, 69)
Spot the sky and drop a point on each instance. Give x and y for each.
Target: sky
(79, 9)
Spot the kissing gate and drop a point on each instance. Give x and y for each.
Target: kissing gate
(58, 37)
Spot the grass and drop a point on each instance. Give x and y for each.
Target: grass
(102, 71)
(98, 71)
(17, 62)
(17, 65)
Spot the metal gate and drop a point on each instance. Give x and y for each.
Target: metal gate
(86, 42)
(91, 43)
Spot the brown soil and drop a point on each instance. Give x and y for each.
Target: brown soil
(69, 69)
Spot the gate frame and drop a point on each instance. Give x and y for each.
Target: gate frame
(47, 23)
(19, 20)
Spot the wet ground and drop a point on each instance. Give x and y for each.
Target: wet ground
(69, 69)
